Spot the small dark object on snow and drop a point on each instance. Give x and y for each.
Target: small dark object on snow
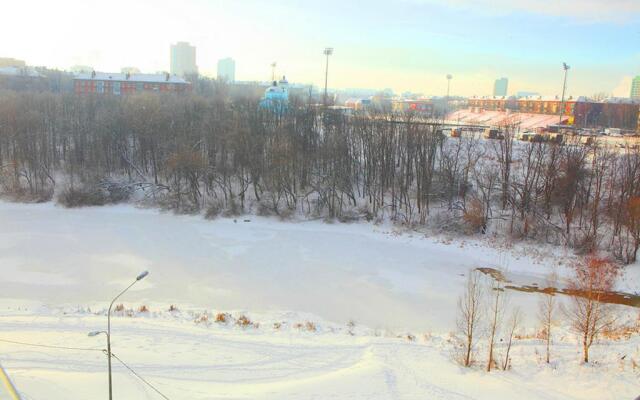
(247, 220)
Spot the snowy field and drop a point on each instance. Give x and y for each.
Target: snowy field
(60, 268)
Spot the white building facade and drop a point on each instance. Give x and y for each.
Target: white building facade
(227, 69)
(183, 59)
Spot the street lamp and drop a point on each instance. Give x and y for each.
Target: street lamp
(327, 52)
(564, 88)
(108, 331)
(449, 77)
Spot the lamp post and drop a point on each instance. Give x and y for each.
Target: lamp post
(564, 88)
(327, 52)
(108, 331)
(449, 77)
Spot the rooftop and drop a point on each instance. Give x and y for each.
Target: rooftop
(20, 71)
(120, 77)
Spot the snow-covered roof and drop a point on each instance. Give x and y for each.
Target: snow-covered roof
(20, 71)
(150, 78)
(496, 118)
(621, 100)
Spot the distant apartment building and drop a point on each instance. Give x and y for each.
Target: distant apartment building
(120, 84)
(581, 112)
(183, 59)
(533, 105)
(227, 69)
(500, 87)
(635, 88)
(12, 62)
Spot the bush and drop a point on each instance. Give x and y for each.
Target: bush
(213, 210)
(307, 326)
(82, 196)
(233, 208)
(21, 194)
(222, 318)
(202, 318)
(143, 309)
(243, 321)
(474, 217)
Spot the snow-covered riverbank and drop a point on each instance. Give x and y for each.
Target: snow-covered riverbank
(339, 272)
(59, 263)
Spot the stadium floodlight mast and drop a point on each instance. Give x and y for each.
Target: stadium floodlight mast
(564, 88)
(327, 52)
(449, 77)
(108, 331)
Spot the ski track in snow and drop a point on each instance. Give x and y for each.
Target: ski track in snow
(58, 262)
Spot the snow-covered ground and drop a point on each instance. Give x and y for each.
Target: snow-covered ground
(57, 264)
(339, 272)
(188, 360)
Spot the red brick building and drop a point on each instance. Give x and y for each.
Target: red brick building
(532, 105)
(125, 83)
(581, 112)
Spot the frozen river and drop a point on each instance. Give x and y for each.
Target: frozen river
(340, 272)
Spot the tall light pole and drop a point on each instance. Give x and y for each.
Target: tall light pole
(108, 331)
(449, 77)
(327, 52)
(273, 71)
(564, 88)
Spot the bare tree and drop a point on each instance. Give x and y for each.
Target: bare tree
(588, 314)
(514, 323)
(546, 311)
(496, 311)
(469, 316)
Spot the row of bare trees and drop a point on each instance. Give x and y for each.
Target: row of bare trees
(482, 308)
(220, 153)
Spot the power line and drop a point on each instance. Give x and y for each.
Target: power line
(139, 377)
(89, 349)
(50, 346)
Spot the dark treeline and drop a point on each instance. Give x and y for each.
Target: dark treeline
(218, 153)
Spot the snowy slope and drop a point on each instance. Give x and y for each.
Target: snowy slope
(58, 265)
(185, 360)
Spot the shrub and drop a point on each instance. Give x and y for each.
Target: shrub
(233, 208)
(474, 216)
(202, 318)
(222, 318)
(307, 326)
(82, 196)
(143, 309)
(18, 193)
(214, 209)
(243, 321)
(173, 308)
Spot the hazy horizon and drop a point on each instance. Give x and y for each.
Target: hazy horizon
(407, 45)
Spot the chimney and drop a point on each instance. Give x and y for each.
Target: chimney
(128, 75)
(166, 77)
(93, 74)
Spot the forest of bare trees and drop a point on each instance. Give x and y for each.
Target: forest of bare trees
(220, 154)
